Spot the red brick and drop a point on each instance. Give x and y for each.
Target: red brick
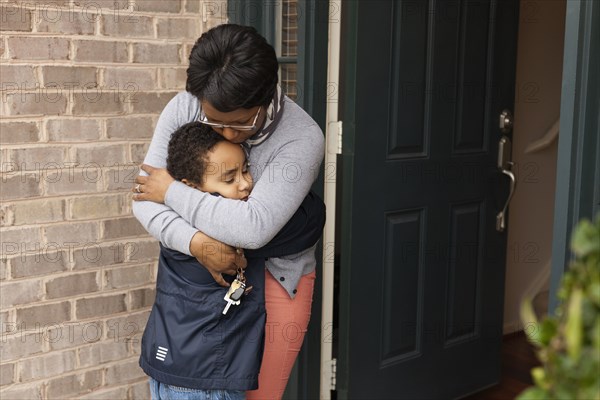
(187, 49)
(7, 322)
(129, 127)
(75, 77)
(150, 53)
(122, 228)
(141, 298)
(75, 334)
(172, 78)
(141, 390)
(45, 260)
(128, 24)
(15, 19)
(138, 152)
(46, 314)
(7, 374)
(99, 306)
(42, 102)
(71, 180)
(179, 28)
(65, 21)
(71, 285)
(101, 51)
(73, 385)
(4, 273)
(107, 394)
(46, 366)
(39, 211)
(130, 80)
(128, 326)
(100, 255)
(20, 292)
(20, 186)
(151, 103)
(80, 233)
(32, 391)
(121, 178)
(123, 277)
(192, 6)
(21, 345)
(96, 102)
(20, 237)
(172, 6)
(104, 155)
(19, 132)
(38, 48)
(103, 352)
(34, 158)
(123, 372)
(73, 130)
(104, 206)
(21, 76)
(142, 251)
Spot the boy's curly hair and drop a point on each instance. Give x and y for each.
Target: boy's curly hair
(188, 150)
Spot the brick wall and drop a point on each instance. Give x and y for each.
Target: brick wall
(83, 83)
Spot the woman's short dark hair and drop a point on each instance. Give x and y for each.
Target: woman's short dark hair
(231, 67)
(188, 151)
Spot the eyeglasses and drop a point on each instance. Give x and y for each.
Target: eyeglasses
(205, 121)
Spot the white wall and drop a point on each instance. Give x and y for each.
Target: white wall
(537, 106)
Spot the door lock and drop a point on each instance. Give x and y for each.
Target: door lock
(505, 165)
(506, 121)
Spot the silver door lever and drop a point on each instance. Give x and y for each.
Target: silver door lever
(505, 165)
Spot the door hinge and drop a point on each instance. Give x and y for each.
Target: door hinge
(334, 145)
(331, 369)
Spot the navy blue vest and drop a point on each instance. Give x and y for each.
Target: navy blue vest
(188, 342)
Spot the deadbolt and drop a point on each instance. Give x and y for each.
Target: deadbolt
(506, 121)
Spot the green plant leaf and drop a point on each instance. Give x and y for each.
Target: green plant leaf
(530, 322)
(539, 377)
(574, 326)
(586, 239)
(533, 393)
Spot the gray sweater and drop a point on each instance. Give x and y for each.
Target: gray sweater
(284, 163)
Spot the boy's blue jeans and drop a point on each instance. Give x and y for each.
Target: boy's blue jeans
(160, 391)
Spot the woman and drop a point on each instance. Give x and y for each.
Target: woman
(232, 86)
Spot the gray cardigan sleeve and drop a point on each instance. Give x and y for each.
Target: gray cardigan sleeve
(160, 220)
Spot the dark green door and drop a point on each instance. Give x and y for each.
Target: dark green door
(422, 270)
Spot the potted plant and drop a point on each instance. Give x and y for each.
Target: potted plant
(568, 343)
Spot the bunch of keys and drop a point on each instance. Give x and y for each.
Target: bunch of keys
(236, 290)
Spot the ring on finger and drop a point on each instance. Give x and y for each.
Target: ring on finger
(137, 188)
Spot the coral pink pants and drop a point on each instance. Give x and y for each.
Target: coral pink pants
(287, 321)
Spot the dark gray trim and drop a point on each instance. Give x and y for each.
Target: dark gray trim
(577, 193)
(347, 113)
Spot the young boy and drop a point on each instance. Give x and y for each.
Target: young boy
(190, 349)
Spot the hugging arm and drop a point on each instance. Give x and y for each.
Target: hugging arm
(301, 232)
(283, 184)
(159, 220)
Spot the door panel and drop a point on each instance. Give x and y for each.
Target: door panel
(422, 271)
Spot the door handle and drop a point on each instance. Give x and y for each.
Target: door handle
(505, 166)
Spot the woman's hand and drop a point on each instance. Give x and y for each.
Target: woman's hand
(217, 257)
(153, 187)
